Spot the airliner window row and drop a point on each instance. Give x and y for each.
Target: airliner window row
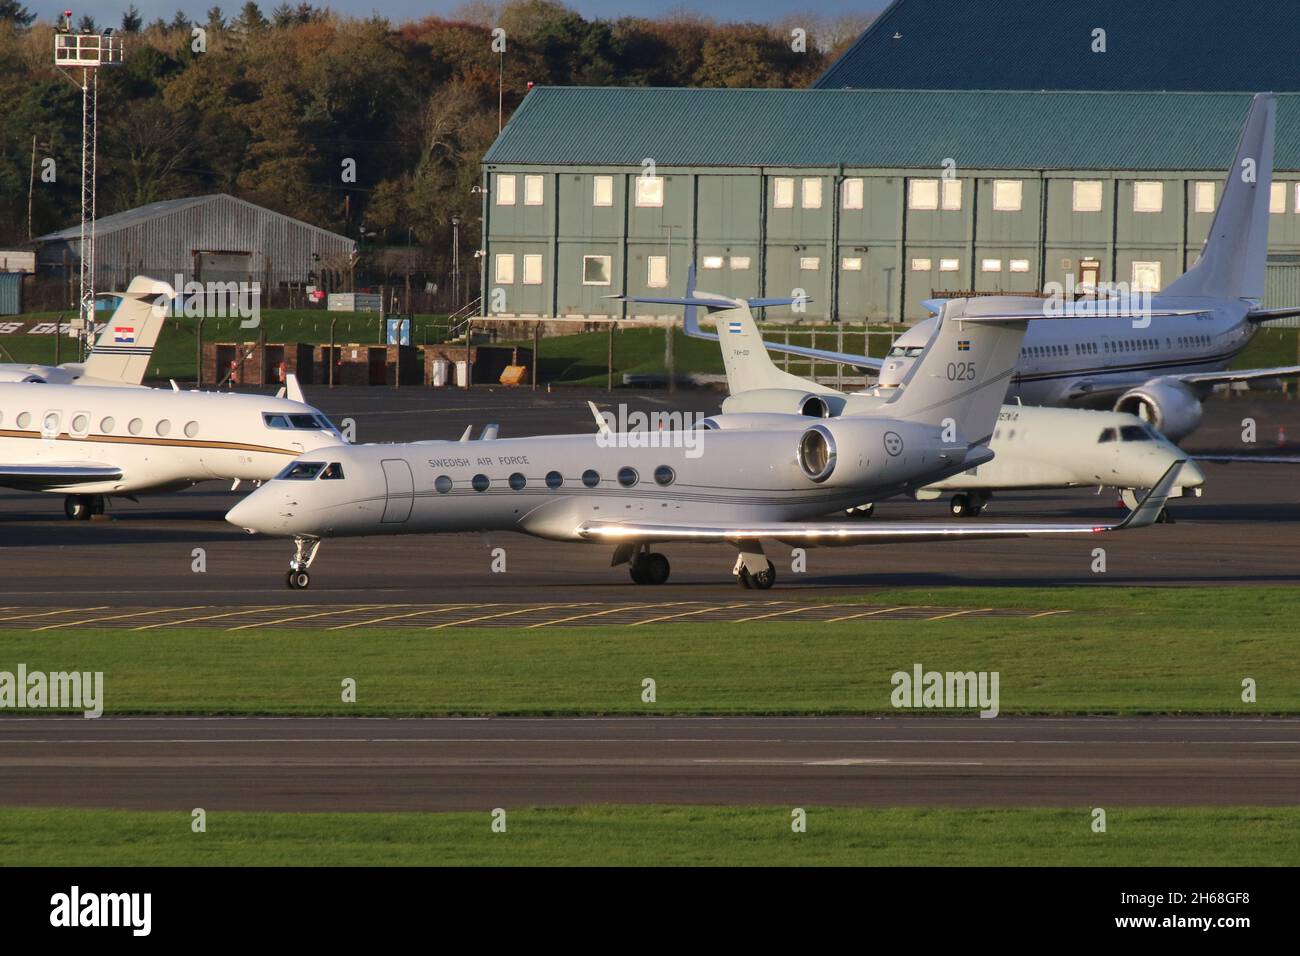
(80, 424)
(627, 476)
(1120, 345)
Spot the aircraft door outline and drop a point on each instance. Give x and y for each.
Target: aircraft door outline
(399, 490)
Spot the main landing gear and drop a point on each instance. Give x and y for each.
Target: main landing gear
(304, 553)
(753, 569)
(81, 507)
(649, 567)
(968, 506)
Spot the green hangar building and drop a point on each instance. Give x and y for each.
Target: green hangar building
(872, 199)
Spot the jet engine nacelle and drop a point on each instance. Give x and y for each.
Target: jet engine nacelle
(1168, 404)
(784, 401)
(860, 452)
(19, 375)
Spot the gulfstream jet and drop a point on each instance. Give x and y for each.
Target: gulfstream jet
(122, 352)
(86, 442)
(631, 491)
(1157, 362)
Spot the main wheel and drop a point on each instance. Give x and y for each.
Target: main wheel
(298, 580)
(975, 508)
(77, 507)
(655, 570)
(761, 580)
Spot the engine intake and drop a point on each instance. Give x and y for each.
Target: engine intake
(817, 453)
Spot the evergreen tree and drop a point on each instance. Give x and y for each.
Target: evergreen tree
(131, 20)
(11, 11)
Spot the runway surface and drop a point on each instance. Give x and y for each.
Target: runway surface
(376, 764)
(487, 614)
(1245, 530)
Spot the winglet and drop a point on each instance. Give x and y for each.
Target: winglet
(602, 426)
(464, 436)
(1153, 502)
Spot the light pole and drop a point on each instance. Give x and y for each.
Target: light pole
(455, 263)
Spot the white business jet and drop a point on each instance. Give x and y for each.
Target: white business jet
(736, 487)
(122, 352)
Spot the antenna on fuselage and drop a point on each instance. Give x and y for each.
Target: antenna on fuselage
(464, 436)
(602, 426)
(489, 432)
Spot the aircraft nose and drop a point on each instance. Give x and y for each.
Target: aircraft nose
(253, 513)
(1191, 476)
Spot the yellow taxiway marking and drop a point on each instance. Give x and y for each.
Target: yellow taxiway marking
(118, 617)
(788, 610)
(520, 610)
(341, 609)
(216, 617)
(969, 610)
(62, 610)
(698, 610)
(426, 609)
(610, 610)
(1047, 613)
(879, 610)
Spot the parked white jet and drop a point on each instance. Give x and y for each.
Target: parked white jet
(1034, 448)
(1157, 364)
(734, 486)
(121, 354)
(87, 442)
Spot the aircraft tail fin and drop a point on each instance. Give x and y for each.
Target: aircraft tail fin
(1233, 261)
(964, 371)
(746, 359)
(121, 354)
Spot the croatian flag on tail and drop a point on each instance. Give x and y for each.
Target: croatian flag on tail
(123, 335)
(733, 327)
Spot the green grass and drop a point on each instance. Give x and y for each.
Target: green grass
(652, 836)
(1270, 347)
(1121, 651)
(175, 353)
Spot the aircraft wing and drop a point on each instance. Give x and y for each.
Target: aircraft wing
(1260, 459)
(872, 532)
(46, 477)
(1272, 315)
(1237, 375)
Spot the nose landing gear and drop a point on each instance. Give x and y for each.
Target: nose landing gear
(304, 553)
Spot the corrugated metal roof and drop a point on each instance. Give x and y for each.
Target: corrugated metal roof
(884, 128)
(1237, 45)
(157, 210)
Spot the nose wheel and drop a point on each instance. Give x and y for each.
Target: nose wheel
(304, 553)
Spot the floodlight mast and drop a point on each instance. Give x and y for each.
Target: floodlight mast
(81, 56)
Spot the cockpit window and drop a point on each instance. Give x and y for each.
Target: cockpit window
(304, 421)
(332, 472)
(275, 421)
(1134, 433)
(301, 471)
(906, 351)
(1107, 434)
(301, 420)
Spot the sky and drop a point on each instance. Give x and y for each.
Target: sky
(110, 12)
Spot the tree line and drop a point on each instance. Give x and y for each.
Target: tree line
(271, 106)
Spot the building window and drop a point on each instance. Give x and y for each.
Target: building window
(1277, 197)
(851, 263)
(534, 190)
(1087, 195)
(812, 193)
(949, 265)
(656, 268)
(810, 263)
(1297, 198)
(649, 191)
(602, 190)
(1007, 195)
(595, 270)
(783, 193)
(1146, 277)
(505, 190)
(990, 265)
(1203, 197)
(952, 194)
(740, 262)
(712, 262)
(505, 270)
(1019, 265)
(1148, 196)
(923, 194)
(921, 265)
(533, 269)
(851, 193)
